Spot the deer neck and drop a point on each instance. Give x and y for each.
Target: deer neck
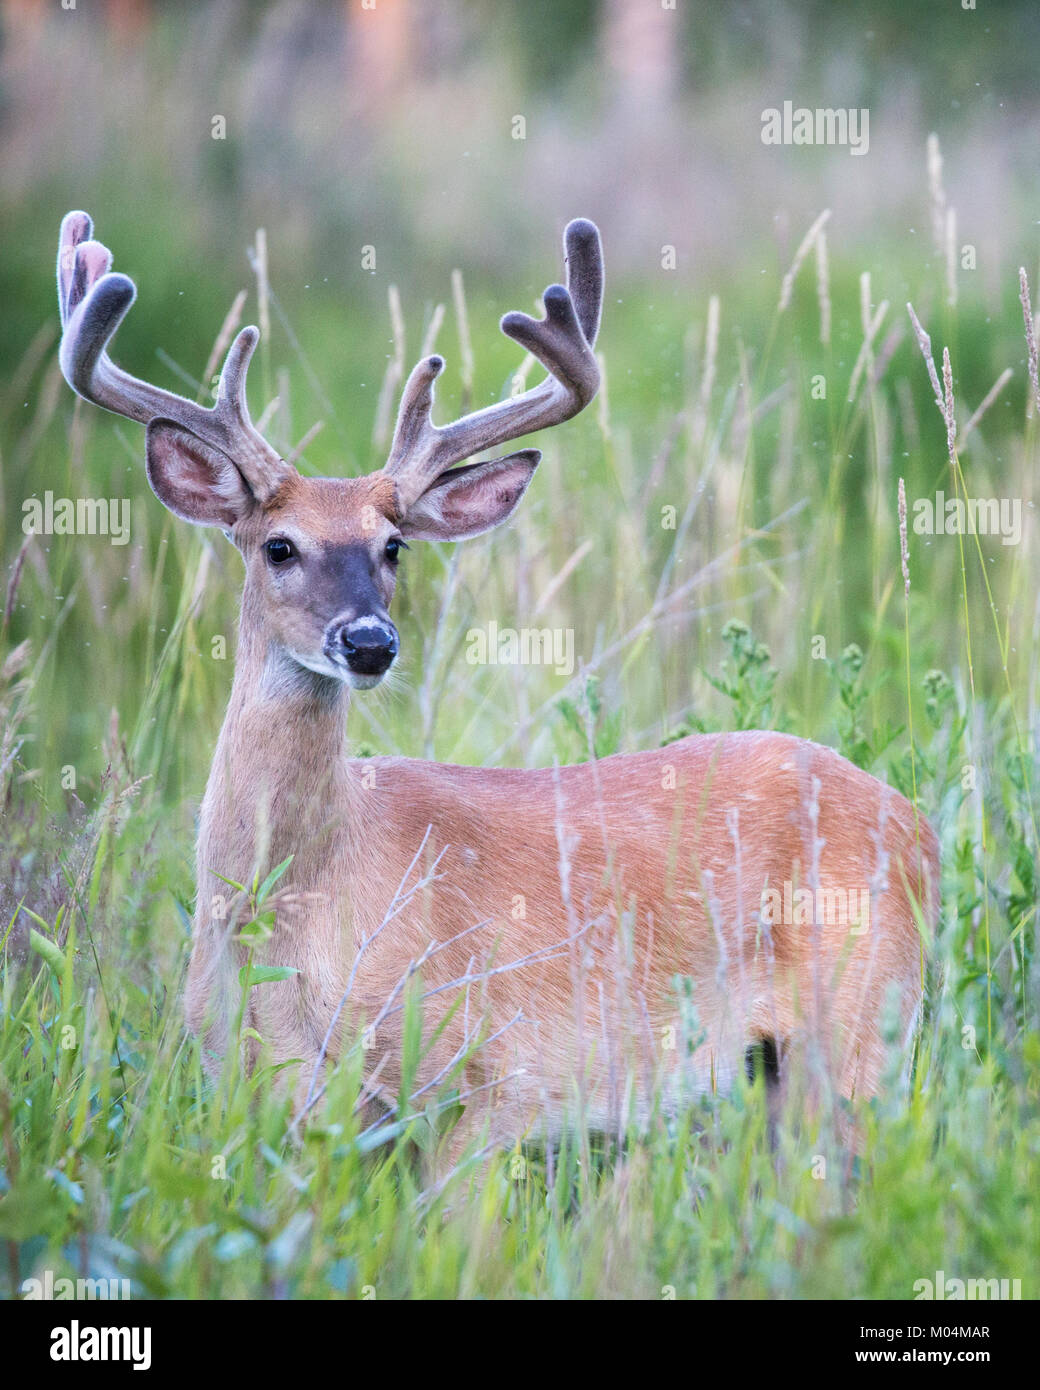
(280, 783)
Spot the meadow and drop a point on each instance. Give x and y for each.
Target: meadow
(721, 533)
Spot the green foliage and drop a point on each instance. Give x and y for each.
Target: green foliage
(747, 679)
(592, 726)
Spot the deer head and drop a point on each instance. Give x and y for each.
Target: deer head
(321, 554)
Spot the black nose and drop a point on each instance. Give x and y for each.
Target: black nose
(369, 645)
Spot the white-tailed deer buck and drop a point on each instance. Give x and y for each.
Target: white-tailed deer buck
(647, 880)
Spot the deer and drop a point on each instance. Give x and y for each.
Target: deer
(643, 879)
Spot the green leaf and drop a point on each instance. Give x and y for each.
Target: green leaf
(272, 878)
(51, 953)
(251, 975)
(258, 928)
(239, 887)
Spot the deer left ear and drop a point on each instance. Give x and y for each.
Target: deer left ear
(467, 501)
(195, 480)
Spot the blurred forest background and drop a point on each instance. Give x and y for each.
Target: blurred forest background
(393, 125)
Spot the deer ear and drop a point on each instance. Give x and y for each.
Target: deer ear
(466, 501)
(192, 478)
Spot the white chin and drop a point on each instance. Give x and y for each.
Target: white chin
(340, 672)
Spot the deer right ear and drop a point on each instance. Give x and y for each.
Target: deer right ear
(192, 478)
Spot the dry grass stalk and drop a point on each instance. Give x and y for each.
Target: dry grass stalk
(925, 344)
(13, 583)
(807, 244)
(711, 350)
(1027, 315)
(904, 546)
(603, 398)
(823, 288)
(987, 400)
(263, 288)
(228, 329)
(948, 408)
(458, 295)
(951, 257)
(561, 577)
(393, 375)
(870, 331)
(429, 342)
(711, 353)
(314, 430)
(936, 192)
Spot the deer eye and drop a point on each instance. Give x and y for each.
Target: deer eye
(279, 550)
(393, 549)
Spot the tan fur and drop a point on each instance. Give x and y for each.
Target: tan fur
(625, 873)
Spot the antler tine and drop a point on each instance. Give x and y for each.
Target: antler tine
(93, 301)
(585, 273)
(562, 342)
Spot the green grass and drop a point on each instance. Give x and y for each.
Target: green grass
(117, 1157)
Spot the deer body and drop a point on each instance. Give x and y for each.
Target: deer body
(667, 854)
(546, 918)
